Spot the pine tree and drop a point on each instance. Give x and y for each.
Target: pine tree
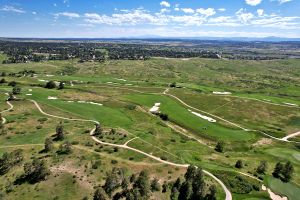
(220, 147)
(142, 184)
(287, 172)
(98, 130)
(48, 145)
(60, 132)
(100, 194)
(212, 195)
(239, 164)
(262, 168)
(61, 85)
(277, 170)
(155, 186)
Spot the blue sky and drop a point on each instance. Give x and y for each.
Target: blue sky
(133, 18)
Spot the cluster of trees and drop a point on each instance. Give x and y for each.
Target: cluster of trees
(283, 171)
(10, 160)
(52, 85)
(34, 171)
(20, 52)
(118, 186)
(193, 187)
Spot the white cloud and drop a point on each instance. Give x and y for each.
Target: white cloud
(244, 16)
(12, 9)
(67, 14)
(165, 4)
(200, 17)
(260, 12)
(207, 12)
(164, 10)
(34, 13)
(283, 1)
(187, 10)
(133, 17)
(54, 4)
(253, 2)
(222, 9)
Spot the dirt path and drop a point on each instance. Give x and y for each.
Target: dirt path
(290, 136)
(285, 139)
(6, 110)
(275, 104)
(124, 146)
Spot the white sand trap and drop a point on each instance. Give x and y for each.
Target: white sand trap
(128, 84)
(185, 59)
(203, 116)
(120, 79)
(155, 108)
(30, 90)
(6, 93)
(273, 196)
(70, 101)
(290, 104)
(90, 102)
(109, 82)
(52, 98)
(49, 75)
(41, 80)
(222, 93)
(28, 94)
(94, 103)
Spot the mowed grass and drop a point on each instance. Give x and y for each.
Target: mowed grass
(290, 190)
(105, 115)
(273, 119)
(183, 117)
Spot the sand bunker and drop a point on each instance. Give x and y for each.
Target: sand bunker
(222, 93)
(30, 90)
(203, 116)
(28, 94)
(52, 98)
(155, 108)
(290, 104)
(41, 80)
(120, 79)
(273, 196)
(90, 102)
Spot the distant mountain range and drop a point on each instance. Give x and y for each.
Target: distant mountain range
(160, 38)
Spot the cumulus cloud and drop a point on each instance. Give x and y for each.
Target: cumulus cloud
(207, 12)
(244, 16)
(12, 9)
(260, 12)
(165, 4)
(283, 1)
(253, 2)
(187, 10)
(67, 14)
